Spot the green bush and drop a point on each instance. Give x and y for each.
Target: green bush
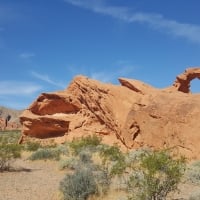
(113, 159)
(50, 153)
(44, 154)
(9, 149)
(90, 142)
(79, 185)
(8, 152)
(32, 146)
(10, 137)
(155, 176)
(69, 163)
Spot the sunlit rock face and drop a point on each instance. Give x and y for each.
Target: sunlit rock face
(133, 114)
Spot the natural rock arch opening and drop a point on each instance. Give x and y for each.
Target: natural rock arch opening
(183, 81)
(195, 86)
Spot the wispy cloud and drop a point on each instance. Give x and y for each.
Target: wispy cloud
(18, 88)
(26, 55)
(47, 79)
(156, 21)
(111, 73)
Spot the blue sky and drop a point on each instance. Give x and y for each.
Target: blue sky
(45, 43)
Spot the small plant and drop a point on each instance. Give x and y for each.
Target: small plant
(44, 154)
(79, 185)
(51, 153)
(69, 163)
(156, 175)
(114, 158)
(9, 137)
(90, 142)
(9, 149)
(8, 152)
(32, 146)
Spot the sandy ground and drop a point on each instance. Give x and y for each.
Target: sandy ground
(39, 180)
(33, 180)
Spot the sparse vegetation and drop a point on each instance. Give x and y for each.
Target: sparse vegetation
(9, 149)
(112, 156)
(92, 168)
(155, 176)
(49, 153)
(32, 146)
(89, 142)
(79, 185)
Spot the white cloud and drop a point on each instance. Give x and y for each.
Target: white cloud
(18, 88)
(121, 68)
(26, 55)
(113, 74)
(188, 31)
(47, 79)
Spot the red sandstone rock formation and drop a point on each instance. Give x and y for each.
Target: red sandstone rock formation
(182, 82)
(132, 114)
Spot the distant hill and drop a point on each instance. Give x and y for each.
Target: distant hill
(14, 123)
(4, 112)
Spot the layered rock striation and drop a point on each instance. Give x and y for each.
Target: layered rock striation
(133, 114)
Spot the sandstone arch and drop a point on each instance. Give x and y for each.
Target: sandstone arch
(182, 82)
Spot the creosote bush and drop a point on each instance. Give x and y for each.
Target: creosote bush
(113, 159)
(155, 176)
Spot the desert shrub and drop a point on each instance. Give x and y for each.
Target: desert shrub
(9, 137)
(156, 174)
(135, 155)
(89, 142)
(8, 152)
(61, 149)
(195, 196)
(44, 154)
(79, 185)
(52, 153)
(68, 163)
(193, 173)
(103, 179)
(85, 157)
(75, 162)
(9, 149)
(113, 159)
(32, 146)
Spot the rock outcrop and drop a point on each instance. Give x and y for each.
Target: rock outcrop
(132, 114)
(182, 82)
(13, 123)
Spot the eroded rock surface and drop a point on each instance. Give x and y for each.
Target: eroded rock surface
(182, 82)
(133, 114)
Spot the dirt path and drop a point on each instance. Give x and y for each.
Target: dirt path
(34, 180)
